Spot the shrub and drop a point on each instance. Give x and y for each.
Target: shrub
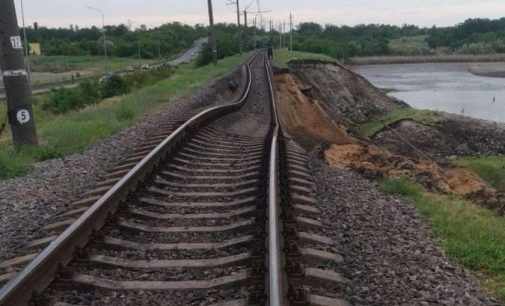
(115, 85)
(62, 100)
(145, 78)
(205, 57)
(90, 90)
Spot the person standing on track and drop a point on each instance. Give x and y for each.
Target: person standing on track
(270, 52)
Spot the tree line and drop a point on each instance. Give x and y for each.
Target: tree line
(121, 40)
(162, 41)
(471, 36)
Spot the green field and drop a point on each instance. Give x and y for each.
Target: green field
(75, 131)
(58, 64)
(283, 56)
(470, 235)
(59, 69)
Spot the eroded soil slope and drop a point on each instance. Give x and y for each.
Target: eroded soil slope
(323, 103)
(346, 96)
(304, 117)
(389, 255)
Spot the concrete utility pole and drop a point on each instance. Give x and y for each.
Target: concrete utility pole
(290, 31)
(15, 79)
(237, 3)
(104, 35)
(255, 23)
(245, 19)
(280, 35)
(239, 27)
(212, 36)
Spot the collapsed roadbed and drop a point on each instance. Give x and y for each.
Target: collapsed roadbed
(364, 129)
(358, 136)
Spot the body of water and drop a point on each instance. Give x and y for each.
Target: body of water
(444, 87)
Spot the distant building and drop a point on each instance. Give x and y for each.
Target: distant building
(35, 49)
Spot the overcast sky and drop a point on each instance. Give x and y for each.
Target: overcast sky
(350, 12)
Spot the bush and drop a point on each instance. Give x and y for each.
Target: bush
(205, 57)
(90, 90)
(145, 78)
(62, 100)
(115, 85)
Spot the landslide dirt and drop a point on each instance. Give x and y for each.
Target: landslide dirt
(389, 254)
(374, 162)
(344, 95)
(304, 117)
(320, 102)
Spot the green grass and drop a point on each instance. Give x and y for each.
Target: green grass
(69, 63)
(3, 114)
(75, 131)
(489, 168)
(422, 116)
(409, 45)
(470, 235)
(282, 57)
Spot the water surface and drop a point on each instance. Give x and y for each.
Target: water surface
(444, 87)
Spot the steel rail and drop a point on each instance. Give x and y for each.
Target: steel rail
(276, 277)
(42, 270)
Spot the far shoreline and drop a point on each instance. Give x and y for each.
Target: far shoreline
(425, 59)
(483, 66)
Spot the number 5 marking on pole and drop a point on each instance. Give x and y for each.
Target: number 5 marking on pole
(23, 116)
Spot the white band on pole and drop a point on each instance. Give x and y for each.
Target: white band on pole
(15, 73)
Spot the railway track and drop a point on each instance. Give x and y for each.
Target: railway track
(218, 209)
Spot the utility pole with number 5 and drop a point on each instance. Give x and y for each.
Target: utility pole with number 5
(15, 78)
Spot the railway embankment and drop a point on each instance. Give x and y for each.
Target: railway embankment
(414, 196)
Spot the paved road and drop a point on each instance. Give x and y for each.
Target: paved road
(191, 53)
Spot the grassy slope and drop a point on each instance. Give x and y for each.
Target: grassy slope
(490, 168)
(75, 131)
(470, 235)
(423, 116)
(283, 56)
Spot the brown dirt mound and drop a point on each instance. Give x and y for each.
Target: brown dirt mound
(375, 162)
(302, 117)
(344, 95)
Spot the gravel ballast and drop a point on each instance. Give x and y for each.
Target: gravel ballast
(28, 203)
(390, 255)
